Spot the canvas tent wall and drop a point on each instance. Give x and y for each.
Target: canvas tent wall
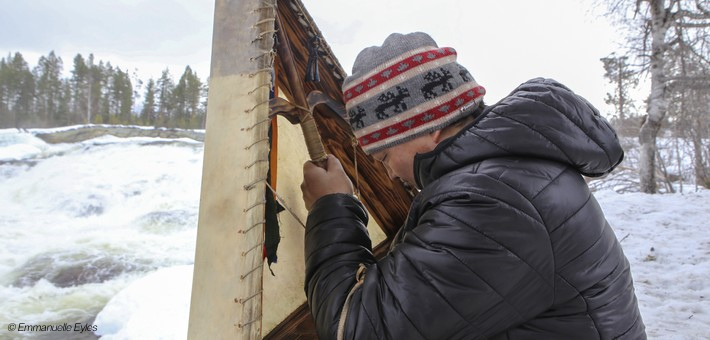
(233, 294)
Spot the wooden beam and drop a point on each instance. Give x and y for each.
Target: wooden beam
(387, 201)
(376, 188)
(227, 281)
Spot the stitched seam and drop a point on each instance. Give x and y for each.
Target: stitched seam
(496, 241)
(471, 191)
(586, 305)
(573, 122)
(608, 286)
(400, 306)
(482, 279)
(441, 295)
(320, 305)
(474, 132)
(517, 191)
(612, 272)
(364, 310)
(541, 135)
(549, 239)
(589, 198)
(359, 248)
(638, 316)
(550, 182)
(582, 252)
(324, 220)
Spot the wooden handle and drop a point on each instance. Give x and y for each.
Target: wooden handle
(308, 125)
(313, 142)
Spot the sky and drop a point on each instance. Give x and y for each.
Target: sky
(502, 42)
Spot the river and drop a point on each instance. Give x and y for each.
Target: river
(81, 222)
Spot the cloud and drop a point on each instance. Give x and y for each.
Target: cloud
(502, 43)
(129, 27)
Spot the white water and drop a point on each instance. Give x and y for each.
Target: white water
(80, 222)
(107, 227)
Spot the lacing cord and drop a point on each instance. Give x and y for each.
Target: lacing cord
(360, 278)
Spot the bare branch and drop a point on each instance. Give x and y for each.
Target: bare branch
(638, 7)
(691, 15)
(693, 24)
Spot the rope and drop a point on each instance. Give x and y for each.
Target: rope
(251, 271)
(313, 142)
(283, 203)
(258, 123)
(357, 172)
(242, 325)
(360, 278)
(243, 301)
(264, 63)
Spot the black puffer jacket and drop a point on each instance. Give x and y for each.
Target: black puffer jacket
(504, 241)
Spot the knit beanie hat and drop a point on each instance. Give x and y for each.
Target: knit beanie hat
(406, 88)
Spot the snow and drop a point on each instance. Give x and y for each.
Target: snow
(130, 205)
(76, 127)
(663, 236)
(16, 146)
(154, 307)
(666, 240)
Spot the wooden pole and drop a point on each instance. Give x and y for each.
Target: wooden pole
(227, 283)
(308, 125)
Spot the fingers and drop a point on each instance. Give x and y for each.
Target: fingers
(310, 166)
(318, 182)
(333, 164)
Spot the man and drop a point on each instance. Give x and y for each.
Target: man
(503, 241)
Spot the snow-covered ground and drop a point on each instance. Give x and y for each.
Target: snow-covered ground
(120, 215)
(667, 240)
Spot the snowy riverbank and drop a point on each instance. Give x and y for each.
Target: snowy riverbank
(105, 229)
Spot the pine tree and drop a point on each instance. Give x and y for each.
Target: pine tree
(49, 88)
(95, 93)
(165, 104)
(16, 91)
(148, 114)
(95, 89)
(105, 102)
(126, 99)
(618, 72)
(194, 92)
(5, 119)
(80, 89)
(64, 114)
(187, 96)
(203, 104)
(24, 107)
(121, 97)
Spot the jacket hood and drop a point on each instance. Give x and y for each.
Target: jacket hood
(540, 119)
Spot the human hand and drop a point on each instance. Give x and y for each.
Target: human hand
(318, 182)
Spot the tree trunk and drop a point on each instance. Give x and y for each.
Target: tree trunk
(657, 101)
(701, 174)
